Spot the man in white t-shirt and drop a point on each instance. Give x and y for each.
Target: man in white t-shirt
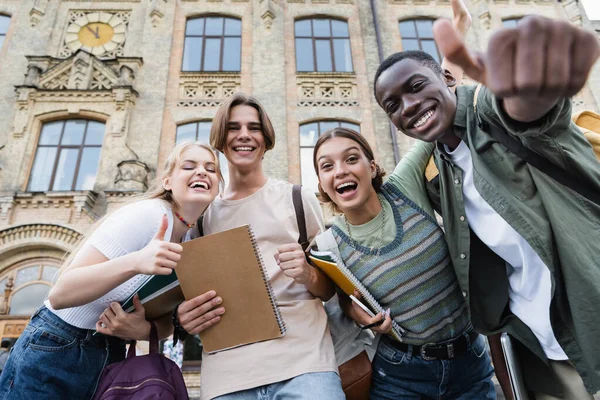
(524, 247)
(302, 363)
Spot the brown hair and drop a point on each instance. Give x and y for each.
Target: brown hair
(155, 191)
(366, 149)
(220, 123)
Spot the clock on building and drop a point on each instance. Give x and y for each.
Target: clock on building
(96, 33)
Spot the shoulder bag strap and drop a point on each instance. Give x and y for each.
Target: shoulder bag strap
(298, 207)
(557, 173)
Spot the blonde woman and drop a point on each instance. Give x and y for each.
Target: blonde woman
(58, 355)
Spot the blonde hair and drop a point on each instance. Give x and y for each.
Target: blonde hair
(155, 191)
(220, 122)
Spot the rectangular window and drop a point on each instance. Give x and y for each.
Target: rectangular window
(212, 44)
(322, 45)
(67, 156)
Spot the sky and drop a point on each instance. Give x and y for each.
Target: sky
(592, 9)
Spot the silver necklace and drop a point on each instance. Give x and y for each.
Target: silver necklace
(379, 240)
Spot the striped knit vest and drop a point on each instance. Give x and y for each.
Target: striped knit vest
(413, 275)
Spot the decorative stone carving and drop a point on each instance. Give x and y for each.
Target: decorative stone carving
(6, 204)
(79, 82)
(268, 12)
(326, 89)
(37, 11)
(157, 11)
(207, 87)
(27, 233)
(486, 20)
(80, 201)
(133, 175)
(573, 12)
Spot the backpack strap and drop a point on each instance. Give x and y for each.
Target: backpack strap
(300, 219)
(153, 342)
(554, 171)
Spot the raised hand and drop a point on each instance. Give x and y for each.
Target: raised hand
(540, 61)
(159, 257)
(292, 261)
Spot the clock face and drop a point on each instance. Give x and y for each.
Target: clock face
(96, 33)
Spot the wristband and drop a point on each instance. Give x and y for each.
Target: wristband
(178, 332)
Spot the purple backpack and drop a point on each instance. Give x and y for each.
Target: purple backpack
(152, 376)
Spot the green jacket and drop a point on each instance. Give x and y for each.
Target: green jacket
(560, 225)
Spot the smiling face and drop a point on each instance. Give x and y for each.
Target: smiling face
(417, 100)
(345, 174)
(195, 179)
(245, 144)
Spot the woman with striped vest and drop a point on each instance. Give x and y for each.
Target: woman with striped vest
(388, 237)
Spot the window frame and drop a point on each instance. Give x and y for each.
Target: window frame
(417, 37)
(4, 34)
(204, 37)
(330, 38)
(510, 20)
(12, 271)
(59, 147)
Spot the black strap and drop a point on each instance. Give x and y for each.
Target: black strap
(298, 207)
(199, 226)
(543, 164)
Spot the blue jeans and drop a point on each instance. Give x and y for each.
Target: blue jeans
(311, 386)
(399, 375)
(55, 360)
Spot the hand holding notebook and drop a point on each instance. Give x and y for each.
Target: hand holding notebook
(348, 283)
(230, 263)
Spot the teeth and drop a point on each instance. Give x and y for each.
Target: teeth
(199, 184)
(243, 149)
(423, 119)
(343, 185)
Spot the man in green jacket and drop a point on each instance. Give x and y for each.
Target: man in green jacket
(524, 247)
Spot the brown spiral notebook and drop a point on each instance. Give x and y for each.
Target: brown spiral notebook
(230, 263)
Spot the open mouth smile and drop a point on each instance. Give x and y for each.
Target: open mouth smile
(199, 185)
(421, 121)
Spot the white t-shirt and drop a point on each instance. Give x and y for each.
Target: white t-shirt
(128, 229)
(307, 345)
(530, 286)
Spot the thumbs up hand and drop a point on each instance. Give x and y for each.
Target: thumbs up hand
(530, 67)
(159, 257)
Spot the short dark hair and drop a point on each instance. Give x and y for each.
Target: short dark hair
(419, 56)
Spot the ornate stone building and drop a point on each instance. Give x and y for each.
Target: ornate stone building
(94, 94)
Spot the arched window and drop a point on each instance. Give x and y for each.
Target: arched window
(29, 284)
(212, 44)
(309, 133)
(322, 45)
(4, 22)
(417, 34)
(201, 131)
(510, 22)
(67, 156)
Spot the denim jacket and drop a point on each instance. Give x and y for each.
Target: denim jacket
(559, 224)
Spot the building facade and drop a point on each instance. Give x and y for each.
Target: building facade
(94, 94)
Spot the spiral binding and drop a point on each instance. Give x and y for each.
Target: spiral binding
(265, 277)
(397, 331)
